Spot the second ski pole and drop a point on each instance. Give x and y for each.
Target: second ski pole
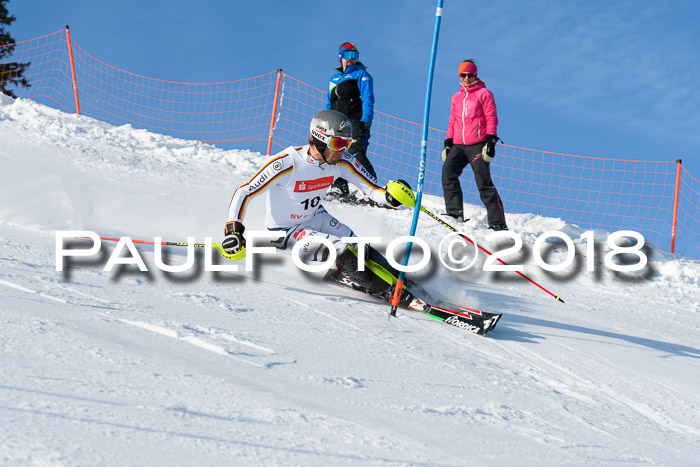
(423, 209)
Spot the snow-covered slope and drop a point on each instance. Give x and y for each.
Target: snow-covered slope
(275, 367)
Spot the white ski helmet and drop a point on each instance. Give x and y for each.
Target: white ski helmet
(330, 128)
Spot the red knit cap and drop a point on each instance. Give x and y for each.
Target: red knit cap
(467, 67)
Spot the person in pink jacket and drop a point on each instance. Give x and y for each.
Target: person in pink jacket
(472, 134)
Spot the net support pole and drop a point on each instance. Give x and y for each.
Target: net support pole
(274, 111)
(679, 165)
(423, 157)
(72, 70)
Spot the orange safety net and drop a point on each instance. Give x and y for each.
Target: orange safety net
(592, 192)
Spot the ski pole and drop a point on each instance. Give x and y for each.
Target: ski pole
(217, 246)
(556, 297)
(423, 156)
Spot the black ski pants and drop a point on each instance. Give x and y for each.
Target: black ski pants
(359, 145)
(359, 149)
(457, 159)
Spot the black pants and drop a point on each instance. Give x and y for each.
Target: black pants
(457, 159)
(359, 149)
(347, 263)
(360, 144)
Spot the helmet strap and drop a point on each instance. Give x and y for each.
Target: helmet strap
(320, 147)
(323, 155)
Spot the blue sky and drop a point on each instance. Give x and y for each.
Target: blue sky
(597, 78)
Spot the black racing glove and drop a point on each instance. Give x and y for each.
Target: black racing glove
(489, 151)
(234, 241)
(448, 146)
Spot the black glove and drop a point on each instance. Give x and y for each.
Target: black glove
(448, 146)
(365, 126)
(395, 202)
(234, 241)
(489, 151)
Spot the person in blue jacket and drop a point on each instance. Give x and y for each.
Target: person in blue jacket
(351, 93)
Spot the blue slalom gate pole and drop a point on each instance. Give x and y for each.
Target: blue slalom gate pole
(423, 156)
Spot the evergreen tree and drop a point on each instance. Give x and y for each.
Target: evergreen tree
(11, 73)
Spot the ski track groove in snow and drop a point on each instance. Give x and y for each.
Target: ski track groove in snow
(31, 291)
(203, 344)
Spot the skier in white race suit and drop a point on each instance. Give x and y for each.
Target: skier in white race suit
(296, 180)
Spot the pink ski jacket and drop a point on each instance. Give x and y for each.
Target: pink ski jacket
(472, 115)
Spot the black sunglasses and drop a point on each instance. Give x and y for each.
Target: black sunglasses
(466, 75)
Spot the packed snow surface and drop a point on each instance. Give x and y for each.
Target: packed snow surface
(274, 366)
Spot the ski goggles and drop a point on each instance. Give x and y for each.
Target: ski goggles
(336, 143)
(350, 55)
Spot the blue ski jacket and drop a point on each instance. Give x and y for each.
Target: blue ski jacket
(351, 92)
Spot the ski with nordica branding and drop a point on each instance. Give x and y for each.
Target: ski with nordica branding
(469, 319)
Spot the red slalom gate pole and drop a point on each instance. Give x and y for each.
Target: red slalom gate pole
(556, 297)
